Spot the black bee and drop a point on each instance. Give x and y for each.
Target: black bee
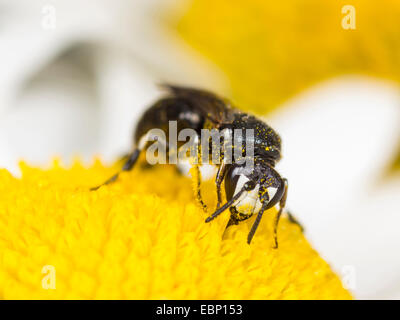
(249, 189)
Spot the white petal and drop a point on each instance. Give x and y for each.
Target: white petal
(337, 140)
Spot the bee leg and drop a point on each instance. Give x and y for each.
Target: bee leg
(231, 222)
(257, 221)
(198, 188)
(282, 204)
(218, 181)
(226, 205)
(128, 165)
(292, 219)
(197, 177)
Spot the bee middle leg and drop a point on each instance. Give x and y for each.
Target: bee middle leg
(197, 177)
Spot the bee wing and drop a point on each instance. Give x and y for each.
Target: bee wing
(338, 139)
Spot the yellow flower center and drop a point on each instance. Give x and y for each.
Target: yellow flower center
(142, 237)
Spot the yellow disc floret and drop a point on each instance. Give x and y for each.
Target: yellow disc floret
(142, 237)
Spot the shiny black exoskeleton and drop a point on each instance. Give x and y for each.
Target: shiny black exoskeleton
(249, 190)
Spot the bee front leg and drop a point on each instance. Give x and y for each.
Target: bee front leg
(264, 198)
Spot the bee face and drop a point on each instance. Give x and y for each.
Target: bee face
(249, 203)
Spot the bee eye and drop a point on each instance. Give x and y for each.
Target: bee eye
(231, 181)
(236, 180)
(249, 185)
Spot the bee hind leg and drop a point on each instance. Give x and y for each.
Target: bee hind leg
(128, 165)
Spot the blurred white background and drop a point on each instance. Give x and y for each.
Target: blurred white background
(75, 76)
